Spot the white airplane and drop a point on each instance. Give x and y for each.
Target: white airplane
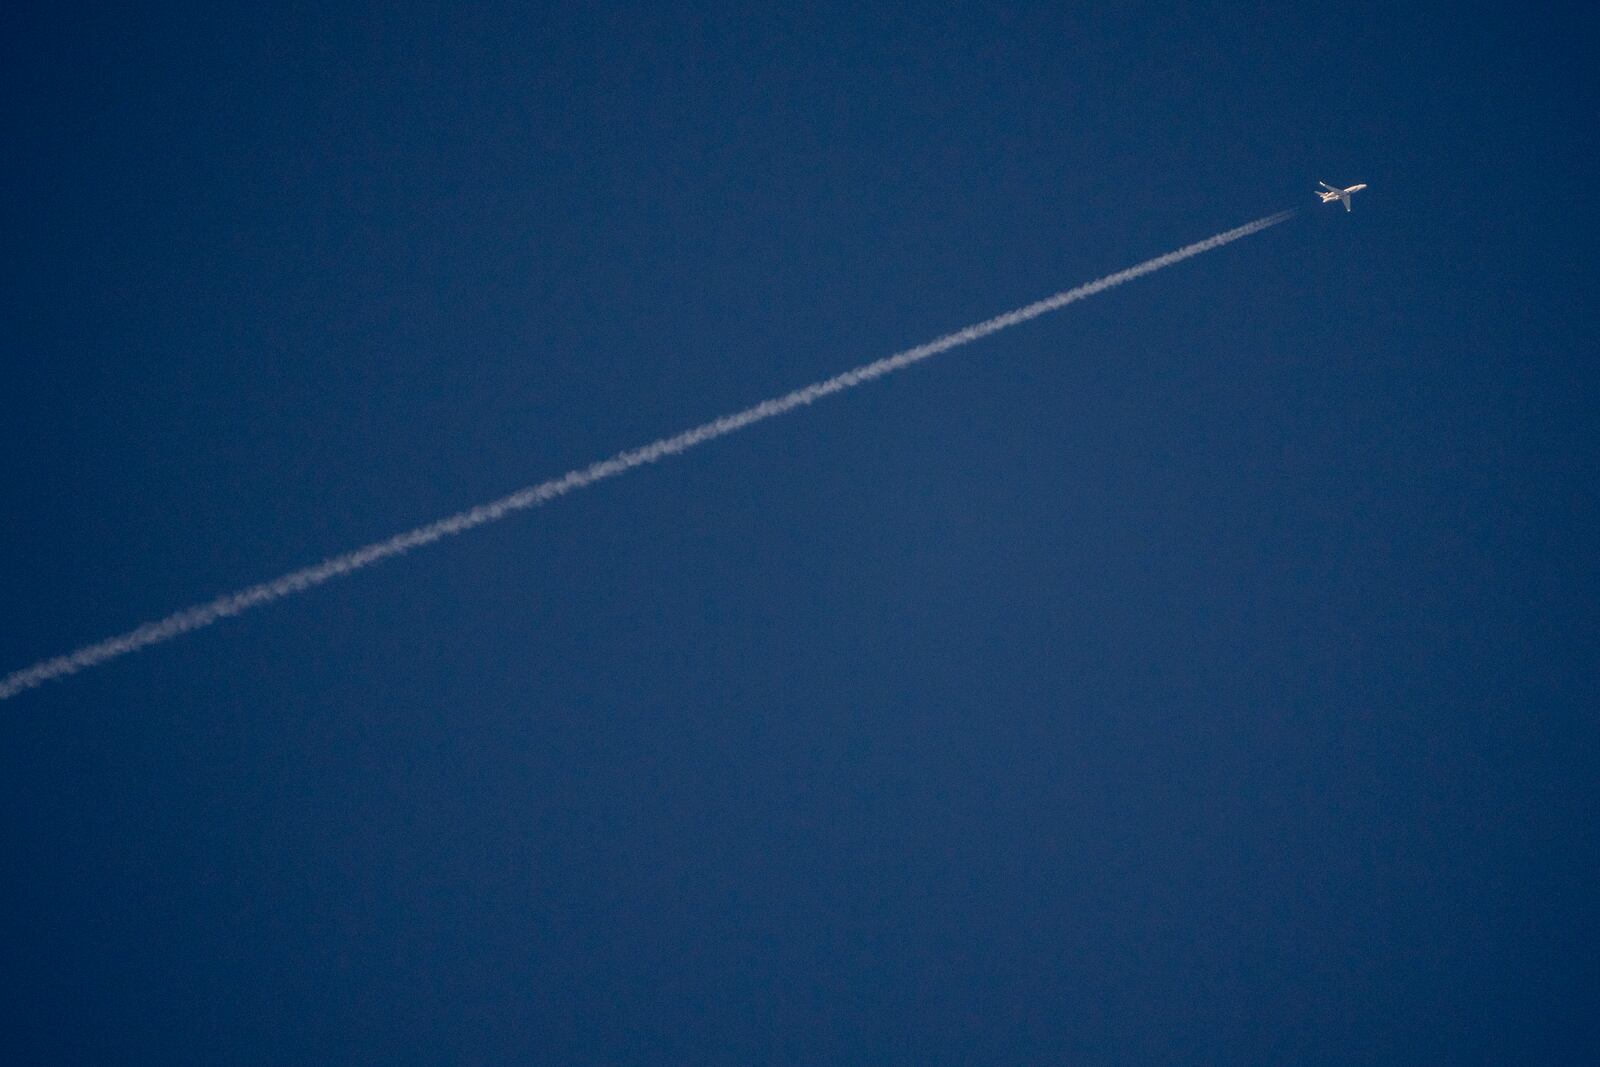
(1336, 193)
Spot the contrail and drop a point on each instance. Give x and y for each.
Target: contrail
(203, 615)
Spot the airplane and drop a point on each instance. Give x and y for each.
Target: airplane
(1336, 193)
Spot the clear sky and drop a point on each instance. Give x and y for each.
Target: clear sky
(1204, 672)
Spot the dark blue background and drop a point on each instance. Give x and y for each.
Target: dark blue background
(1204, 673)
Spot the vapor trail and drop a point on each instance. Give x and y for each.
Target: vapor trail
(202, 615)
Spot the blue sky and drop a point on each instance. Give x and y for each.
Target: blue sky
(1203, 672)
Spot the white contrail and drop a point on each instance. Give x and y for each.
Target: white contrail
(202, 615)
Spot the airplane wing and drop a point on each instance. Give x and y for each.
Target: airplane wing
(1330, 188)
(1346, 198)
